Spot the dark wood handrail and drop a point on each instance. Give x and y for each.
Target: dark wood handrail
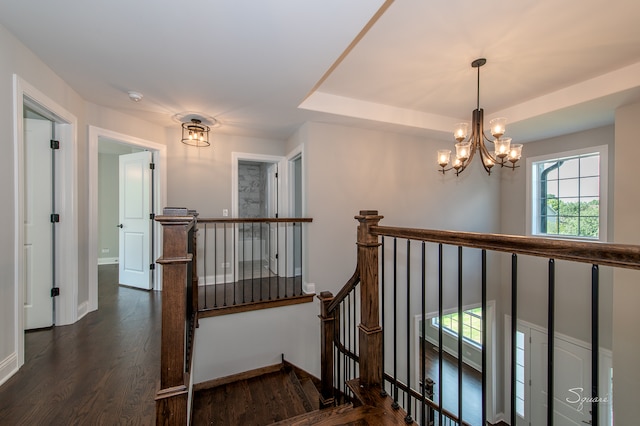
(593, 252)
(344, 291)
(255, 220)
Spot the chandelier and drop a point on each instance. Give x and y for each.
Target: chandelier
(195, 133)
(505, 154)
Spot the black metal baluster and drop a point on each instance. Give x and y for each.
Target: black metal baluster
(261, 266)
(440, 315)
(595, 344)
(408, 418)
(224, 265)
(460, 332)
(423, 337)
(395, 404)
(514, 332)
(300, 233)
(348, 336)
(233, 256)
(252, 261)
(204, 264)
(383, 392)
(269, 256)
(244, 238)
(550, 340)
(215, 265)
(484, 337)
(286, 278)
(293, 266)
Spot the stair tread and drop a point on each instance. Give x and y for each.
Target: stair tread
(344, 415)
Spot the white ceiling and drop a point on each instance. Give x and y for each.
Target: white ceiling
(264, 67)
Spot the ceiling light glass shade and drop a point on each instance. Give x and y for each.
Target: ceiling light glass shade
(461, 131)
(515, 153)
(195, 133)
(463, 150)
(498, 126)
(502, 147)
(443, 157)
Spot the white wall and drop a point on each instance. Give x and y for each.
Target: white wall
(108, 235)
(626, 290)
(17, 59)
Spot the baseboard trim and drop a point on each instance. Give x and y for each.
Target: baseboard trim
(83, 309)
(8, 367)
(107, 261)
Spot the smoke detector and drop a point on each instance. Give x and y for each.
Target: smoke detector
(135, 96)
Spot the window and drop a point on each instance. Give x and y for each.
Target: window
(567, 195)
(471, 325)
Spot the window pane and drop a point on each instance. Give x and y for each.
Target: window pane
(590, 166)
(569, 188)
(590, 187)
(570, 168)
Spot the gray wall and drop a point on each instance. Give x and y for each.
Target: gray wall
(17, 59)
(626, 290)
(108, 202)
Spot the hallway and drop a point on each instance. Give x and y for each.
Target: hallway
(102, 370)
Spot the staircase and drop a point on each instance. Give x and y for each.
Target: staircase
(284, 395)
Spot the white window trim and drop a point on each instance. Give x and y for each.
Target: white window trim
(603, 150)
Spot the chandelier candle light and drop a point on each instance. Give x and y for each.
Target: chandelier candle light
(504, 154)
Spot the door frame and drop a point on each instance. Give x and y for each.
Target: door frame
(282, 183)
(159, 192)
(66, 125)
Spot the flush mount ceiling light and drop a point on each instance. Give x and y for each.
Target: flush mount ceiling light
(504, 153)
(195, 133)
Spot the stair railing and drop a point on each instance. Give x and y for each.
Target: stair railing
(179, 314)
(381, 308)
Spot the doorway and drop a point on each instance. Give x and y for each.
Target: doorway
(64, 125)
(121, 144)
(125, 207)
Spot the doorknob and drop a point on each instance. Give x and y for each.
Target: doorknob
(120, 226)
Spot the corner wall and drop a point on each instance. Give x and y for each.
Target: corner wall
(626, 290)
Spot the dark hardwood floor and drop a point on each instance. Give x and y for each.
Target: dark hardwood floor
(103, 370)
(471, 385)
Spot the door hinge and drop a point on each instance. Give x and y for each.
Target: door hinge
(152, 166)
(152, 216)
(55, 218)
(276, 215)
(55, 144)
(276, 175)
(152, 266)
(276, 255)
(55, 291)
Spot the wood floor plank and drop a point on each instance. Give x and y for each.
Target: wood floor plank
(102, 370)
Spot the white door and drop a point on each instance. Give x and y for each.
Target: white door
(572, 382)
(135, 222)
(38, 271)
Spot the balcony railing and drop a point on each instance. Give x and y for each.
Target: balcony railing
(250, 263)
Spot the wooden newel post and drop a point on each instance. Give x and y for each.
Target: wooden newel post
(172, 398)
(370, 332)
(327, 329)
